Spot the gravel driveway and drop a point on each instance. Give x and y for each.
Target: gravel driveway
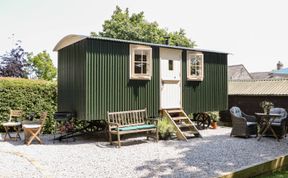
(211, 156)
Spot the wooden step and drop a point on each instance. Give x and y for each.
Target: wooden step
(191, 133)
(175, 111)
(178, 118)
(184, 125)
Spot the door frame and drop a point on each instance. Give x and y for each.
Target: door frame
(160, 75)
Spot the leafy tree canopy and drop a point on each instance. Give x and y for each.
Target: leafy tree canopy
(42, 66)
(122, 25)
(14, 63)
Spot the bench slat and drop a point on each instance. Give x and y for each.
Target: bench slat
(128, 117)
(122, 112)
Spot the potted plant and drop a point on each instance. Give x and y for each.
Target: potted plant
(165, 128)
(266, 106)
(214, 119)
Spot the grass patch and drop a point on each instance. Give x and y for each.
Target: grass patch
(277, 174)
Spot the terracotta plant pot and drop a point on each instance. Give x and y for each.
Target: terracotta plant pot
(214, 125)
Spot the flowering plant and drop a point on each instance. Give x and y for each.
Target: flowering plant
(67, 126)
(266, 106)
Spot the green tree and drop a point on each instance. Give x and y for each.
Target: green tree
(135, 27)
(42, 66)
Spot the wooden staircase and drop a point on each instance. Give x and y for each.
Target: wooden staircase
(183, 125)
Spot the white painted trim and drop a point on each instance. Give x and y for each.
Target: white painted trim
(68, 40)
(188, 68)
(132, 74)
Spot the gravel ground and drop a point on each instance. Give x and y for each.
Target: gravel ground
(215, 154)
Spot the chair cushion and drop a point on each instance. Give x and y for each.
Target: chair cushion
(7, 124)
(145, 126)
(236, 111)
(31, 126)
(277, 120)
(251, 123)
(276, 124)
(280, 111)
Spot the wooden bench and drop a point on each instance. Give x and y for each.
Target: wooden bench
(127, 122)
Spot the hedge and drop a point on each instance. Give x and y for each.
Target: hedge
(31, 96)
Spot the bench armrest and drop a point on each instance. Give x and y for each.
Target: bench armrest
(249, 118)
(153, 120)
(238, 120)
(113, 124)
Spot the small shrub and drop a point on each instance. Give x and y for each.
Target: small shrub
(31, 96)
(191, 116)
(165, 128)
(214, 116)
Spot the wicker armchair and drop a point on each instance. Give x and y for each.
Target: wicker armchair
(243, 124)
(279, 124)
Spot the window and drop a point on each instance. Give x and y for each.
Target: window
(195, 67)
(140, 62)
(170, 65)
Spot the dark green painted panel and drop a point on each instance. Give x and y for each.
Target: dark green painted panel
(108, 87)
(211, 93)
(71, 79)
(93, 78)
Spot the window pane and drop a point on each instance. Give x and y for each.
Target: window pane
(144, 58)
(137, 68)
(170, 64)
(144, 68)
(137, 57)
(195, 61)
(193, 70)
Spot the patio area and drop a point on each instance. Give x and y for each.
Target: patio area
(211, 156)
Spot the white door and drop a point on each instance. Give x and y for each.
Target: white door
(170, 78)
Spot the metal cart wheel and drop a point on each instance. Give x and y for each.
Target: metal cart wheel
(203, 121)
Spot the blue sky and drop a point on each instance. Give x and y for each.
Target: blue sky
(255, 32)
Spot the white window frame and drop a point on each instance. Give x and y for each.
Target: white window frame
(188, 62)
(149, 68)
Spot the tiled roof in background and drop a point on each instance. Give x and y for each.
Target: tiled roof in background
(238, 72)
(271, 87)
(261, 75)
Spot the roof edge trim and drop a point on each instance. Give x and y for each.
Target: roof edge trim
(156, 44)
(260, 80)
(68, 40)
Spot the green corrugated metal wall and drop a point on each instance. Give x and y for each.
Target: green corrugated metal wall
(93, 78)
(71, 79)
(108, 87)
(211, 93)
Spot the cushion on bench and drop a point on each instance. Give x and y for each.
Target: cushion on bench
(137, 127)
